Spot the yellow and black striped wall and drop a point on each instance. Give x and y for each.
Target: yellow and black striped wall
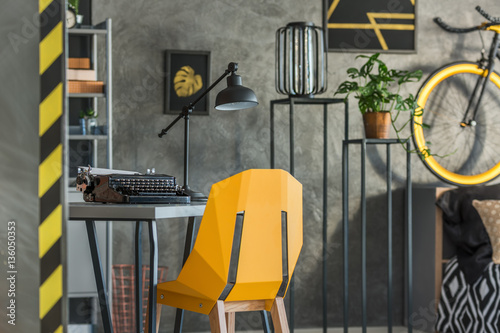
(50, 169)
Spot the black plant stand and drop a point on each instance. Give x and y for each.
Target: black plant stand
(345, 207)
(292, 101)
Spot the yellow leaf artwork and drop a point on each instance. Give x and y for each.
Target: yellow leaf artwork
(186, 82)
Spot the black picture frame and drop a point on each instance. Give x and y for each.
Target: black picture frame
(199, 63)
(372, 26)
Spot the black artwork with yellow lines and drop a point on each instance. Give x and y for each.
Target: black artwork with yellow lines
(381, 25)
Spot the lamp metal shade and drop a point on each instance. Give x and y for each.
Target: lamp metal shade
(235, 96)
(301, 60)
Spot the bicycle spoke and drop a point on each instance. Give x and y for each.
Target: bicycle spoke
(484, 150)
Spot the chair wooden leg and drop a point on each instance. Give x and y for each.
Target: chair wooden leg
(278, 313)
(231, 321)
(217, 318)
(158, 317)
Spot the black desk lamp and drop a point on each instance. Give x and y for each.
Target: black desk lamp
(234, 97)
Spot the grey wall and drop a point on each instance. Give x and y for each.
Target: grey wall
(19, 97)
(223, 144)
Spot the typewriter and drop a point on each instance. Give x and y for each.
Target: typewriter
(117, 186)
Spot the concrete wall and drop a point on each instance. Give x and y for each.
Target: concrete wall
(223, 144)
(19, 150)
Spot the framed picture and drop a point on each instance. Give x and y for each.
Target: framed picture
(187, 77)
(371, 26)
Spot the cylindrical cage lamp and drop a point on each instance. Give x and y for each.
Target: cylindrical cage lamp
(301, 59)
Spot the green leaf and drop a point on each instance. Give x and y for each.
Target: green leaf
(353, 73)
(347, 87)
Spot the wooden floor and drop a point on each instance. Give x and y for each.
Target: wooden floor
(380, 329)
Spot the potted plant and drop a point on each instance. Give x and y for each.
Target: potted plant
(377, 89)
(88, 121)
(74, 4)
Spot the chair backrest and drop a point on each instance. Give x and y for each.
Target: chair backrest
(249, 239)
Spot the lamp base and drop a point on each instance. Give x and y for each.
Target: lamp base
(195, 195)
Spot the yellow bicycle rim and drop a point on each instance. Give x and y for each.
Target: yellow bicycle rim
(419, 133)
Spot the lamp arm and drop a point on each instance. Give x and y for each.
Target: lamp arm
(231, 68)
(165, 130)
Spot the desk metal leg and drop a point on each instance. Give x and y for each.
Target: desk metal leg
(99, 277)
(188, 246)
(138, 276)
(265, 321)
(153, 274)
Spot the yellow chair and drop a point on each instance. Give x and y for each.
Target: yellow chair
(245, 253)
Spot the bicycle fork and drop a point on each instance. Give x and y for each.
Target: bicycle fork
(481, 83)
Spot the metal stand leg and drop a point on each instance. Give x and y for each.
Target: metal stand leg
(345, 236)
(99, 277)
(272, 135)
(409, 243)
(363, 236)
(188, 247)
(138, 276)
(389, 239)
(325, 215)
(153, 274)
(292, 172)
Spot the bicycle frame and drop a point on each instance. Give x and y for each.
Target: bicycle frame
(468, 91)
(482, 82)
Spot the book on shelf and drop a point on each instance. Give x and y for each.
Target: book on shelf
(79, 63)
(80, 74)
(81, 87)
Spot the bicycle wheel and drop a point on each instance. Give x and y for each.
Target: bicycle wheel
(461, 155)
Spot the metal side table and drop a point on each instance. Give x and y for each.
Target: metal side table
(408, 227)
(292, 101)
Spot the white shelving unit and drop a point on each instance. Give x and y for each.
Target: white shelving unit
(94, 32)
(80, 278)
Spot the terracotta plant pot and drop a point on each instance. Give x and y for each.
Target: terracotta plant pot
(377, 124)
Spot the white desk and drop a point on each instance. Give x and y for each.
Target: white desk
(91, 212)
